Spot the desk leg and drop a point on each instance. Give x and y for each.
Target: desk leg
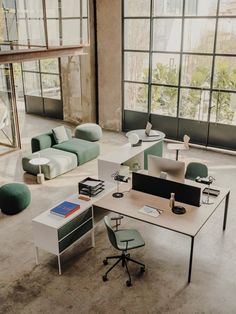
(93, 238)
(37, 255)
(190, 260)
(177, 154)
(59, 264)
(226, 210)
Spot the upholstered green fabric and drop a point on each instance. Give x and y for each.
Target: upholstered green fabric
(116, 237)
(89, 132)
(196, 169)
(14, 197)
(45, 140)
(84, 150)
(60, 162)
(60, 134)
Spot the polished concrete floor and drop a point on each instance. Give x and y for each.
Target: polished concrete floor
(163, 288)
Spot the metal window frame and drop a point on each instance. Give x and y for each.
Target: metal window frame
(214, 54)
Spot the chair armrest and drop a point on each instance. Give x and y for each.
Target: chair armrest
(118, 221)
(127, 242)
(117, 218)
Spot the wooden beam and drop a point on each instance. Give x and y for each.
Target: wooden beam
(12, 56)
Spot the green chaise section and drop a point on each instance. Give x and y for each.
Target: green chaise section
(84, 150)
(63, 157)
(60, 162)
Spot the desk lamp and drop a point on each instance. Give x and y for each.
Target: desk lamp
(119, 178)
(209, 180)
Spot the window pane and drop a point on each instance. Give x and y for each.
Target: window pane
(166, 34)
(53, 32)
(196, 71)
(137, 8)
(225, 73)
(52, 8)
(36, 32)
(70, 8)
(199, 35)
(136, 97)
(194, 104)
(165, 68)
(34, 8)
(32, 84)
(226, 37)
(22, 33)
(4, 79)
(85, 8)
(51, 86)
(49, 65)
(69, 37)
(136, 66)
(164, 100)
(31, 66)
(223, 108)
(227, 7)
(137, 33)
(168, 7)
(85, 31)
(200, 7)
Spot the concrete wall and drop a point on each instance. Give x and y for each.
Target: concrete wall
(78, 83)
(109, 40)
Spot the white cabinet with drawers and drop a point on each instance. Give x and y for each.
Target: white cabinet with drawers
(55, 234)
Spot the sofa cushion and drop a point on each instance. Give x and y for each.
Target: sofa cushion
(60, 162)
(60, 134)
(45, 140)
(84, 150)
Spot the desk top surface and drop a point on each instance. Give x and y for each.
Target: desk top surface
(189, 223)
(54, 221)
(126, 152)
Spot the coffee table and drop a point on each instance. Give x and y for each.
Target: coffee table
(39, 161)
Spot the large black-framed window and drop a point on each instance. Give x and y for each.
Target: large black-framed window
(179, 67)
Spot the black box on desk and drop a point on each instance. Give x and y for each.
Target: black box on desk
(90, 186)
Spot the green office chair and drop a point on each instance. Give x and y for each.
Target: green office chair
(196, 169)
(123, 240)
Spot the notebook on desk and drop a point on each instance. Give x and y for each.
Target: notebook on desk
(151, 211)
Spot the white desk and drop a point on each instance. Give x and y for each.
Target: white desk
(188, 224)
(56, 234)
(126, 155)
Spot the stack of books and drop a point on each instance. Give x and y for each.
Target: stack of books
(65, 209)
(91, 187)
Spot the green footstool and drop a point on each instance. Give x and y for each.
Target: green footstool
(14, 197)
(88, 132)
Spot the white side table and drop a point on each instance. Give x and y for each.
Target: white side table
(39, 161)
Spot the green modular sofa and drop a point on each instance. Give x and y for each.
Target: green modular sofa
(63, 157)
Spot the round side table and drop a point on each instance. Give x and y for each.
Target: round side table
(39, 161)
(142, 135)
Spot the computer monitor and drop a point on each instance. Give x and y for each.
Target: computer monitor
(166, 168)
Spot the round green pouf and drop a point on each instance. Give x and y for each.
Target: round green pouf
(88, 131)
(14, 197)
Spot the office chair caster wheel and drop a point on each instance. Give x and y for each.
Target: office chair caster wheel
(104, 278)
(142, 270)
(105, 262)
(128, 283)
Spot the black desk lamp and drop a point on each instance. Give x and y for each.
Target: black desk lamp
(118, 178)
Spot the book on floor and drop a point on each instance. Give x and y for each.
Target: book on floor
(65, 209)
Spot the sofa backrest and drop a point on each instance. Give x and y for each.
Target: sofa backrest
(45, 140)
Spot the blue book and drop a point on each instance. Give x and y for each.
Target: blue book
(65, 209)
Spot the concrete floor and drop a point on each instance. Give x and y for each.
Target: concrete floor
(27, 288)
